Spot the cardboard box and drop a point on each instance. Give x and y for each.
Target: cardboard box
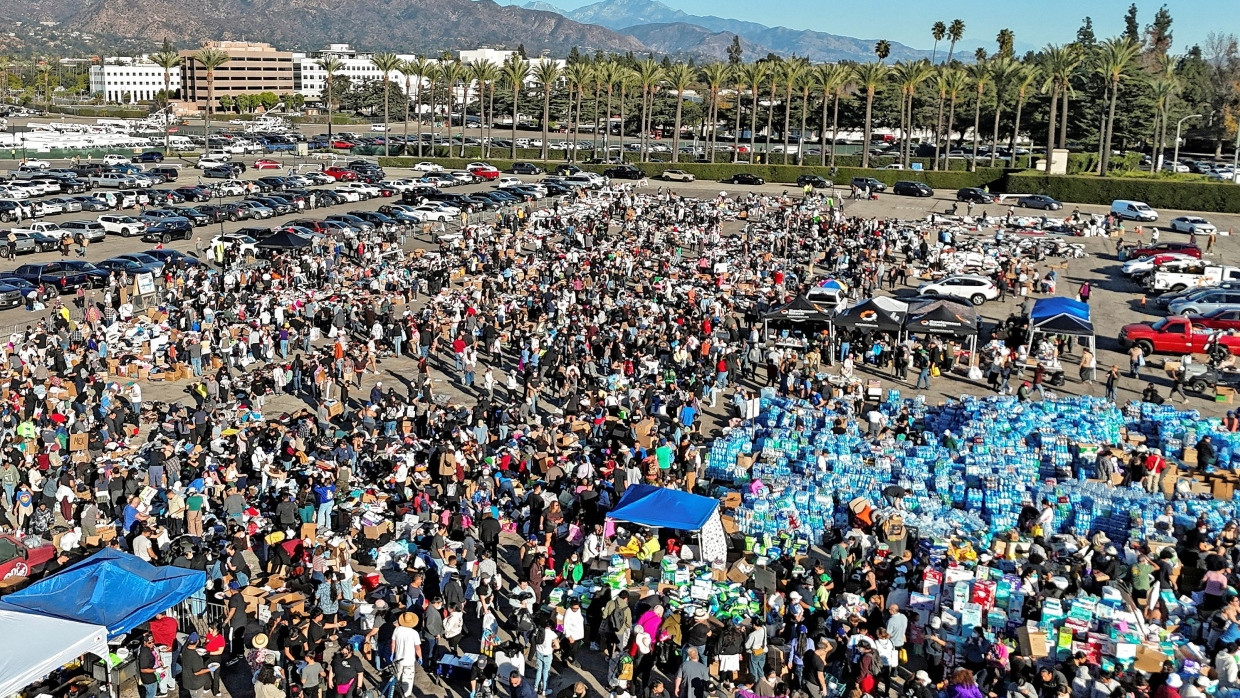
(293, 602)
(254, 597)
(645, 431)
(1150, 658)
(334, 408)
(373, 532)
(79, 442)
(308, 530)
(1032, 643)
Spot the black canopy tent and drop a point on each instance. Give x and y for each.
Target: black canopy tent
(798, 313)
(283, 240)
(870, 314)
(941, 316)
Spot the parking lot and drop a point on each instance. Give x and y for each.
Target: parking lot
(1116, 301)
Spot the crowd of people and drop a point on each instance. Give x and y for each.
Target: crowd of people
(510, 372)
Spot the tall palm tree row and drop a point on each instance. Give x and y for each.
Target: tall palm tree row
(167, 59)
(870, 79)
(679, 77)
(1116, 62)
(546, 73)
(386, 63)
(211, 59)
(980, 76)
(715, 76)
(514, 73)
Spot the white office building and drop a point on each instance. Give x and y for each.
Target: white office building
(310, 80)
(130, 79)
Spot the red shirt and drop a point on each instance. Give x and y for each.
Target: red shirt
(458, 345)
(164, 630)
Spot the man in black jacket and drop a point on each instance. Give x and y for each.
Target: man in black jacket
(488, 534)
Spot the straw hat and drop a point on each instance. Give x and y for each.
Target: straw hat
(260, 641)
(408, 620)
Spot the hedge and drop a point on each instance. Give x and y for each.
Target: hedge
(1190, 196)
(777, 174)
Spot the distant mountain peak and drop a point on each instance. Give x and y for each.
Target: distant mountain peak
(541, 6)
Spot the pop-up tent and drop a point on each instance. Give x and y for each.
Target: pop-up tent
(283, 240)
(879, 313)
(34, 646)
(110, 588)
(938, 316)
(798, 311)
(662, 507)
(1059, 315)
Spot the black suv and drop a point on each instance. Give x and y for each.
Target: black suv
(623, 172)
(526, 168)
(977, 196)
(814, 181)
(907, 188)
(744, 178)
(869, 182)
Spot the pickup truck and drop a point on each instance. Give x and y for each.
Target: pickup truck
(22, 557)
(48, 229)
(113, 180)
(60, 276)
(1174, 335)
(1184, 274)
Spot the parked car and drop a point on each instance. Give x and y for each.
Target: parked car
(976, 195)
(149, 156)
(744, 178)
(526, 168)
(974, 289)
(1206, 302)
(169, 229)
(1192, 224)
(868, 183)
(910, 188)
(1039, 201)
(814, 181)
(1133, 211)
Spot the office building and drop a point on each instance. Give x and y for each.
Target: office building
(252, 68)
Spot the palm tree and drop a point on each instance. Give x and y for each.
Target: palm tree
(626, 78)
(167, 59)
(1163, 89)
(546, 73)
(419, 67)
(514, 73)
(597, 77)
(773, 75)
(753, 74)
(1057, 67)
(955, 83)
(938, 31)
(806, 82)
(979, 76)
(210, 59)
(1023, 81)
(715, 75)
(649, 75)
(832, 80)
(679, 77)
(451, 72)
(1005, 39)
(608, 73)
(1003, 72)
(919, 72)
(1116, 61)
(955, 32)
(882, 49)
(387, 63)
(330, 65)
(791, 73)
(870, 77)
(740, 76)
(485, 73)
(579, 74)
(407, 69)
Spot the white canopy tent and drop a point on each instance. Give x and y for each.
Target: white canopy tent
(33, 646)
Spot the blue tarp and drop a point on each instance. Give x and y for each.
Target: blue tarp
(110, 588)
(659, 506)
(1061, 316)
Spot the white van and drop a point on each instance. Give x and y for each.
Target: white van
(1133, 211)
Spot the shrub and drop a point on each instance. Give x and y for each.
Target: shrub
(1192, 196)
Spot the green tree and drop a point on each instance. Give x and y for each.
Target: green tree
(1158, 33)
(167, 59)
(514, 73)
(608, 73)
(387, 63)
(1085, 36)
(485, 73)
(679, 78)
(450, 73)
(791, 74)
(1003, 71)
(267, 99)
(937, 31)
(546, 74)
(1163, 88)
(521, 52)
(578, 75)
(1006, 39)
(210, 59)
(330, 65)
(408, 69)
(1116, 63)
(649, 75)
(735, 52)
(715, 76)
(1132, 29)
(955, 32)
(870, 78)
(1058, 66)
(882, 49)
(834, 80)
(979, 75)
(1023, 80)
(754, 74)
(227, 103)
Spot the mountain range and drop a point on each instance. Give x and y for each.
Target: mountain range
(425, 26)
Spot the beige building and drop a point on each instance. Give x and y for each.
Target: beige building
(252, 68)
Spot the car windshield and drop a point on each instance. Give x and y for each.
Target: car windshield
(1159, 324)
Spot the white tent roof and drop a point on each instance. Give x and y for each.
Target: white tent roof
(891, 305)
(32, 646)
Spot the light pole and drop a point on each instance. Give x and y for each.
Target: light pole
(1176, 158)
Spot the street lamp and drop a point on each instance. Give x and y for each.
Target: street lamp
(1176, 158)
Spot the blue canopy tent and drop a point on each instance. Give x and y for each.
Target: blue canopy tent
(110, 588)
(1058, 315)
(662, 507)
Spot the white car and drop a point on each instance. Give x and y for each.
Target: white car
(1192, 224)
(1177, 167)
(37, 165)
(431, 212)
(48, 207)
(12, 192)
(350, 195)
(125, 226)
(246, 244)
(112, 159)
(206, 161)
(231, 187)
(380, 128)
(505, 182)
(400, 185)
(974, 289)
(427, 167)
(462, 176)
(676, 176)
(367, 191)
(1146, 264)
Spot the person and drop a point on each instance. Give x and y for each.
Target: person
(195, 675)
(545, 643)
(148, 667)
(406, 652)
(1206, 454)
(963, 684)
(345, 674)
(518, 687)
(692, 678)
(1089, 367)
(1112, 383)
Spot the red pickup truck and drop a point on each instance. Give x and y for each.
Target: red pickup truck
(20, 560)
(1174, 335)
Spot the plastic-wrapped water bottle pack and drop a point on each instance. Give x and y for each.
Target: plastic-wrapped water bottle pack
(1008, 453)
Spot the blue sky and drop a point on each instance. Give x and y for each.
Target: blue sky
(908, 21)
